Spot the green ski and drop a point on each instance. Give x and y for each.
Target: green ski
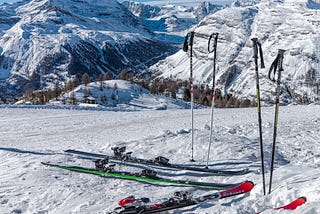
(120, 155)
(144, 177)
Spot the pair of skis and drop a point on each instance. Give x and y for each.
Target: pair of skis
(144, 176)
(131, 205)
(119, 154)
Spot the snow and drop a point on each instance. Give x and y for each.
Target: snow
(31, 135)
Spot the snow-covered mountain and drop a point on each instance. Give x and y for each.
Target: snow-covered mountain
(170, 21)
(43, 41)
(287, 24)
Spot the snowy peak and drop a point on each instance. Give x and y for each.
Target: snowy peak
(169, 21)
(206, 8)
(51, 40)
(97, 14)
(312, 4)
(244, 3)
(142, 10)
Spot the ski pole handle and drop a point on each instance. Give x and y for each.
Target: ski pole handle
(215, 42)
(256, 46)
(277, 66)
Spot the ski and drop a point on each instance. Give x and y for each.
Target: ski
(292, 205)
(120, 155)
(148, 176)
(130, 205)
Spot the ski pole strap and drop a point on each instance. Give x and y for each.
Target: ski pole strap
(276, 65)
(261, 55)
(186, 44)
(256, 46)
(215, 35)
(188, 41)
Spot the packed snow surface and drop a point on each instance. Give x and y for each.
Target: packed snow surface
(31, 136)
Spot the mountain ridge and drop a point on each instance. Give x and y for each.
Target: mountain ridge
(52, 40)
(278, 25)
(170, 22)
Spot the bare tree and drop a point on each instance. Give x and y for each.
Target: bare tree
(107, 76)
(123, 75)
(85, 79)
(100, 79)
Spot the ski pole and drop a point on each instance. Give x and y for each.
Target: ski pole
(256, 46)
(277, 63)
(214, 50)
(185, 48)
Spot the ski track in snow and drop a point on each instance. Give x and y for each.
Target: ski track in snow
(30, 136)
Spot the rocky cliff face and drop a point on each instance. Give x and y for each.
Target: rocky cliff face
(45, 41)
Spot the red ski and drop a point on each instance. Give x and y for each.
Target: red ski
(181, 199)
(293, 205)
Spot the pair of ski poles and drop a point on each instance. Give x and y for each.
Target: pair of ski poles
(189, 42)
(276, 66)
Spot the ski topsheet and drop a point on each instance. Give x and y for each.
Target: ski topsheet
(292, 205)
(142, 178)
(179, 201)
(158, 162)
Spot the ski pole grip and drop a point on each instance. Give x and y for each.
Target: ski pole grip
(215, 42)
(261, 55)
(185, 44)
(281, 55)
(191, 38)
(255, 47)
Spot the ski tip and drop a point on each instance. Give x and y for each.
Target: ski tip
(303, 198)
(128, 200)
(247, 186)
(294, 204)
(242, 188)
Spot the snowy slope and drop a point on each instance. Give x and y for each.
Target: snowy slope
(30, 136)
(121, 94)
(289, 25)
(44, 41)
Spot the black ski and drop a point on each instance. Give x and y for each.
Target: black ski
(144, 176)
(120, 155)
(131, 205)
